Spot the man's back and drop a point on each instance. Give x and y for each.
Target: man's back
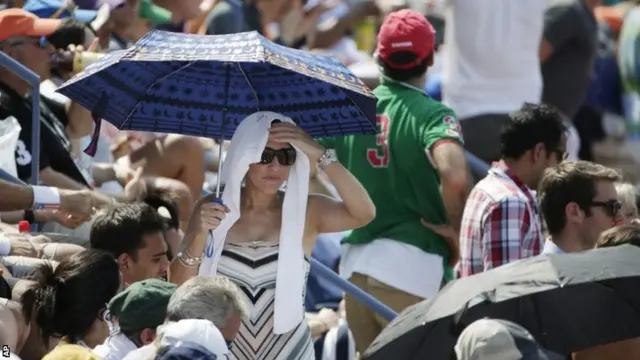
(394, 168)
(54, 144)
(491, 55)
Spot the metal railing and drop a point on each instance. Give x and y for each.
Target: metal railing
(33, 80)
(476, 164)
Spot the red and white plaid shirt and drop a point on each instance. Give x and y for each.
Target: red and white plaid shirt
(500, 223)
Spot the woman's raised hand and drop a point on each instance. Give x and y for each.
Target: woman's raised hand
(211, 213)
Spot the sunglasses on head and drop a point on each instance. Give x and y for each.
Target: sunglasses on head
(286, 156)
(610, 207)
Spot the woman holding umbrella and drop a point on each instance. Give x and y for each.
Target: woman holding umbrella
(263, 231)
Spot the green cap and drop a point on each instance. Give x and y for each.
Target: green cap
(154, 13)
(143, 305)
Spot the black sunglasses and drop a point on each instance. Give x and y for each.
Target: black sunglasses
(286, 157)
(610, 207)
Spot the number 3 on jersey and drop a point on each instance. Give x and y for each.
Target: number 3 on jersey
(379, 156)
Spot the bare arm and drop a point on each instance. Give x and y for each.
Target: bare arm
(452, 167)
(205, 216)
(80, 121)
(15, 197)
(57, 179)
(354, 210)
(328, 32)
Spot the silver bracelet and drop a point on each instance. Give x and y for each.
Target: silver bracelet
(189, 261)
(328, 158)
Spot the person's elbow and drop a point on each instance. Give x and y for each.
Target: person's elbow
(458, 178)
(367, 215)
(451, 163)
(545, 51)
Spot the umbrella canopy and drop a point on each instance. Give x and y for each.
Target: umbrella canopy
(205, 85)
(567, 302)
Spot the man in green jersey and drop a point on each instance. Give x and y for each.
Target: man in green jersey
(416, 174)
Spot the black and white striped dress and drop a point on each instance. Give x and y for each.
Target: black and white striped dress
(253, 267)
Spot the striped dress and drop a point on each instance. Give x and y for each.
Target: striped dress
(252, 267)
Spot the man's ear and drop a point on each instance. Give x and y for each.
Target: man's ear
(124, 261)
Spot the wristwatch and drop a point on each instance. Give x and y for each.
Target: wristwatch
(328, 158)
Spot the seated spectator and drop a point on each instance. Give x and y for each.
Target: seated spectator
(136, 312)
(500, 223)
(627, 195)
(69, 303)
(160, 158)
(217, 300)
(23, 37)
(490, 339)
(189, 338)
(134, 235)
(578, 202)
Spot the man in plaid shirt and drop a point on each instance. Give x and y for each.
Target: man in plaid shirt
(501, 221)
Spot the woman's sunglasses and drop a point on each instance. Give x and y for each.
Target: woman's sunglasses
(286, 157)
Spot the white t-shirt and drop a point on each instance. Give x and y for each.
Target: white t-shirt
(491, 63)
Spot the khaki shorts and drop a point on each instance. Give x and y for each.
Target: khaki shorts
(364, 323)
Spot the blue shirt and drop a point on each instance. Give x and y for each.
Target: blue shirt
(551, 248)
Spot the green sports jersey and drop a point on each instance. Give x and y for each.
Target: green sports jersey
(395, 170)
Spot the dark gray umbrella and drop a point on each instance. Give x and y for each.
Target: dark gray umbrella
(567, 302)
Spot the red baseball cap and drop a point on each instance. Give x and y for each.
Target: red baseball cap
(406, 30)
(18, 22)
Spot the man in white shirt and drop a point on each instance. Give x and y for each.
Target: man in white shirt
(578, 201)
(491, 66)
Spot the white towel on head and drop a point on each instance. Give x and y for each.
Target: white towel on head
(247, 145)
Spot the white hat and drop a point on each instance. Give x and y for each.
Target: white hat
(496, 339)
(195, 331)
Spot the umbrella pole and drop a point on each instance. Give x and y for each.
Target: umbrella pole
(219, 167)
(224, 119)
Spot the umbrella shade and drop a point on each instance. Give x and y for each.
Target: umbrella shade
(205, 85)
(567, 302)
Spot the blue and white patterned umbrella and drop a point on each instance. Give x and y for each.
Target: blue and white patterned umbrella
(205, 85)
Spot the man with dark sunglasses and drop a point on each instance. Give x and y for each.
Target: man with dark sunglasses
(578, 202)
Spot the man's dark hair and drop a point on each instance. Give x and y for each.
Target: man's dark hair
(570, 181)
(72, 32)
(620, 235)
(404, 57)
(119, 230)
(529, 126)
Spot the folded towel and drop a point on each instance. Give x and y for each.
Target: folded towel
(247, 145)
